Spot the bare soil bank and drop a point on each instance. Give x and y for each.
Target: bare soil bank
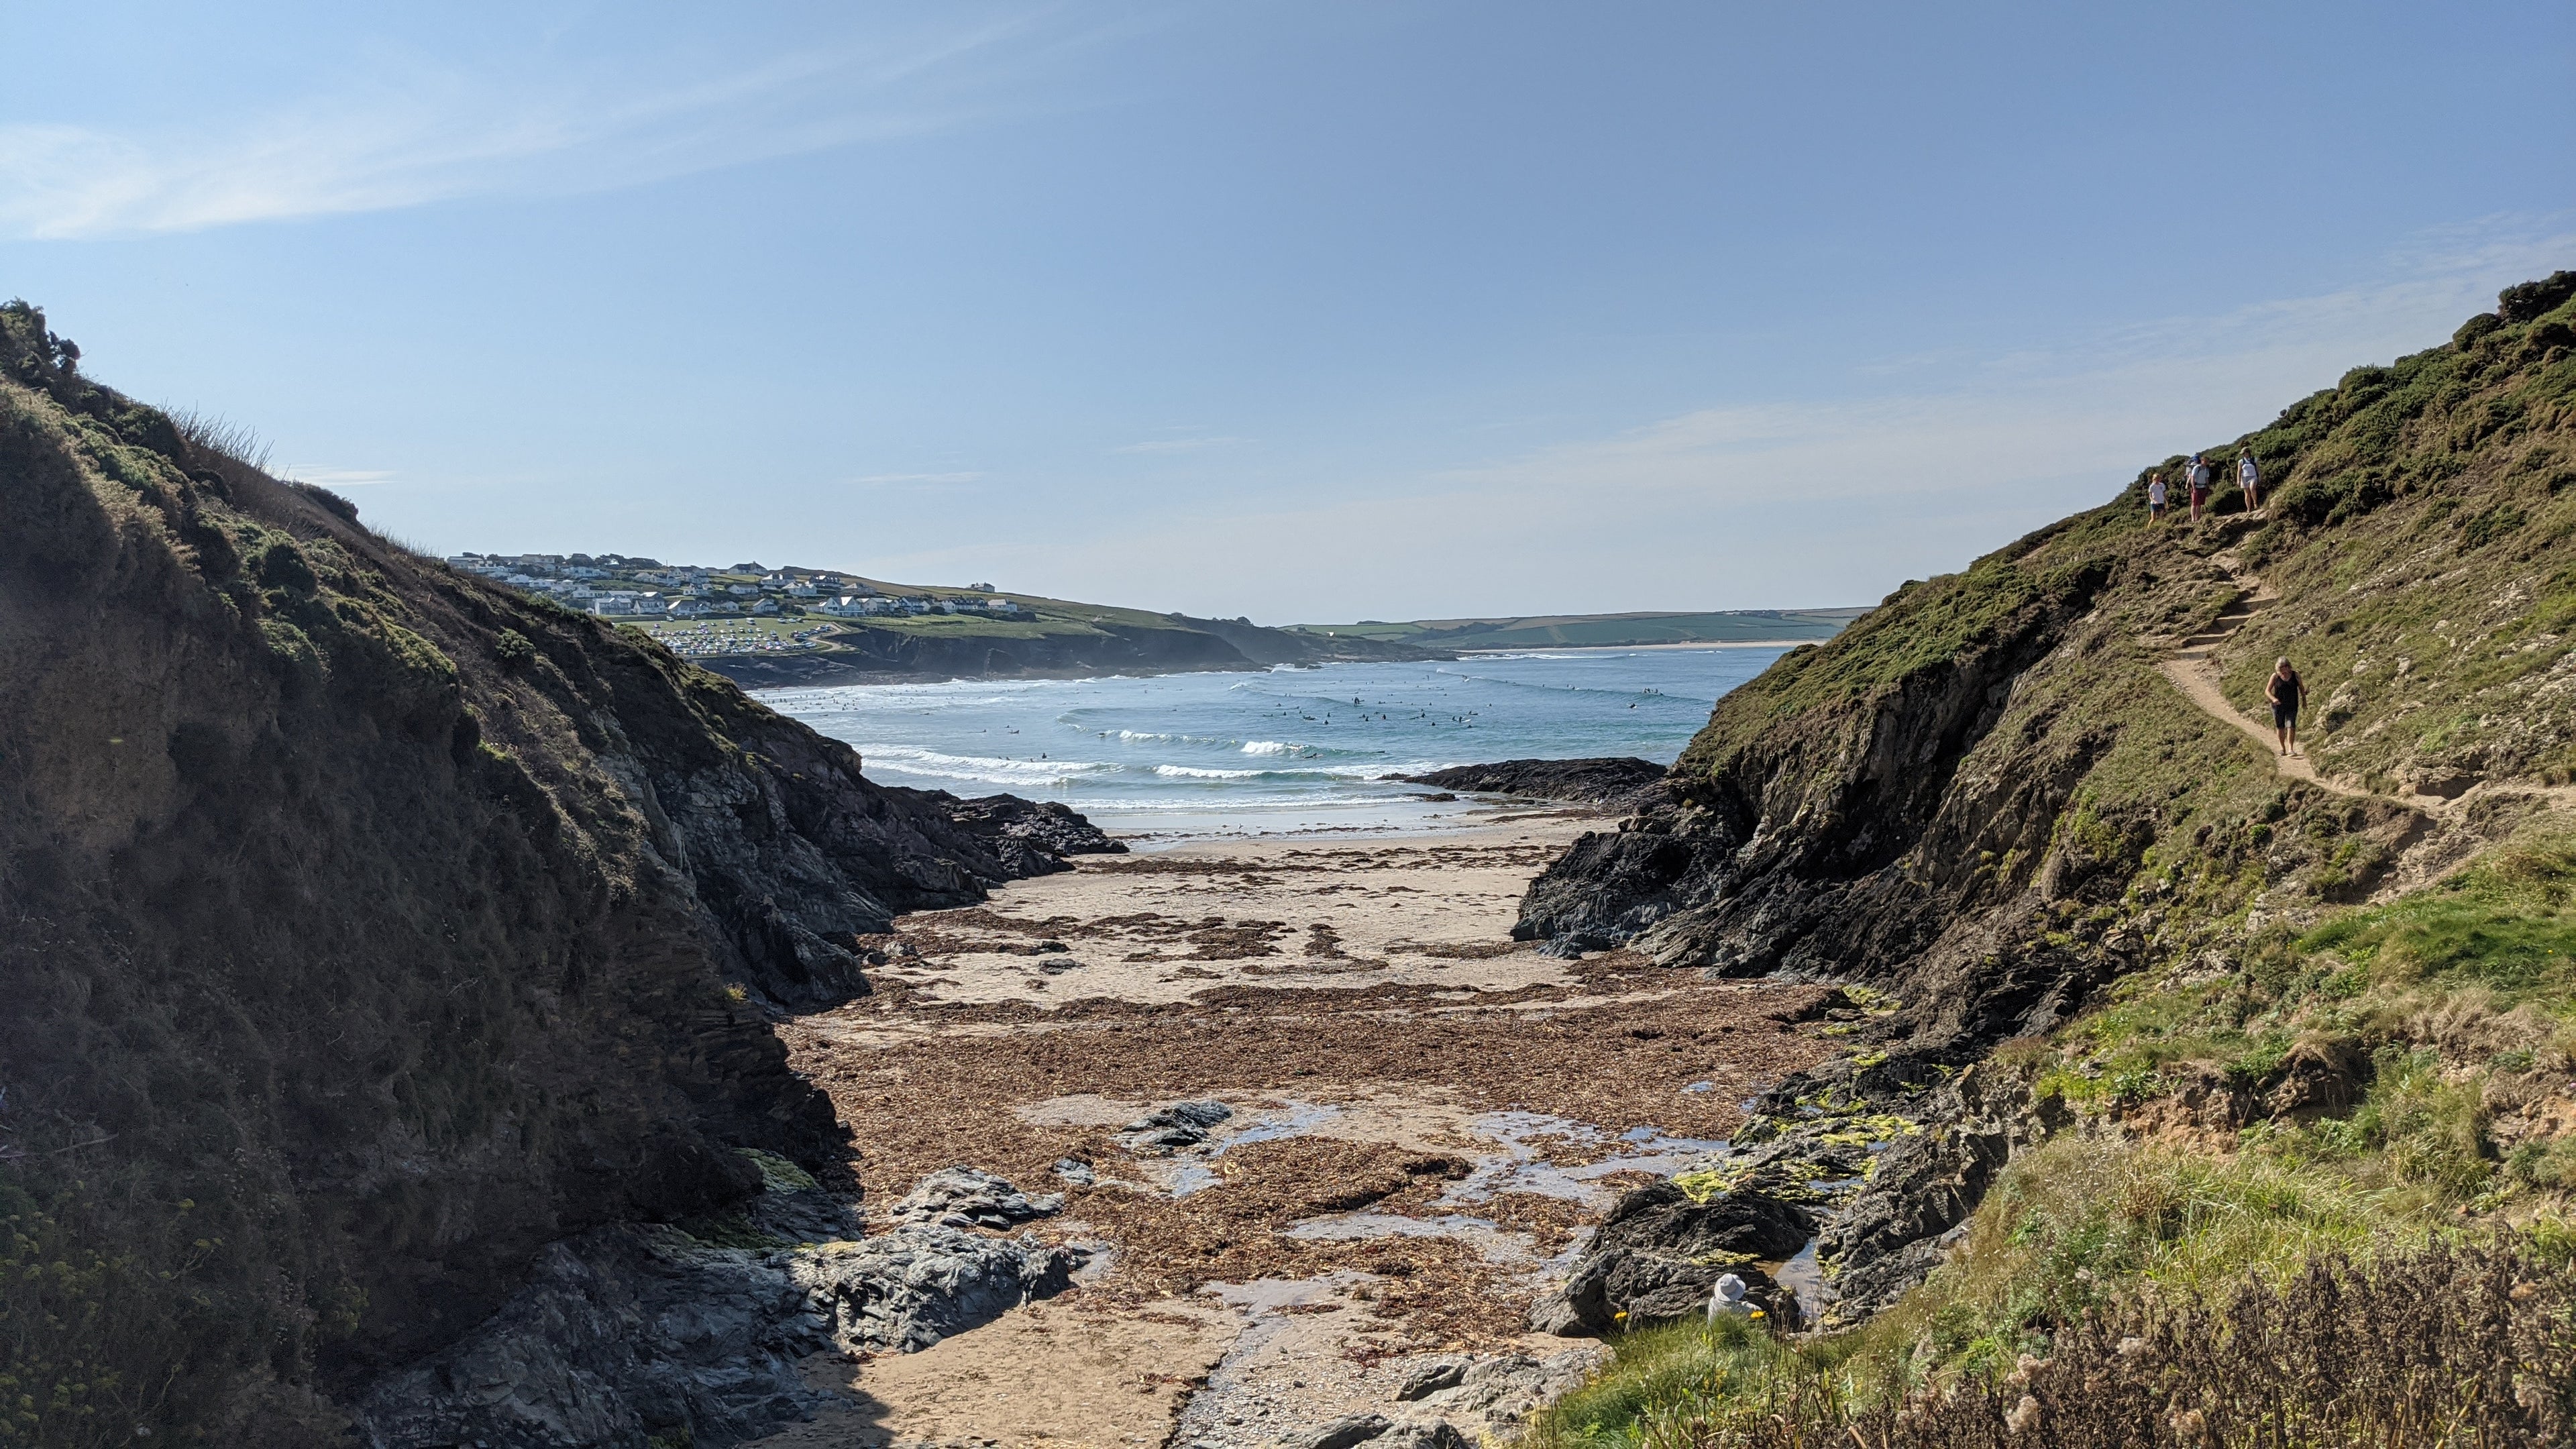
(1425, 1115)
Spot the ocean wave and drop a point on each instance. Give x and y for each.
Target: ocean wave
(914, 761)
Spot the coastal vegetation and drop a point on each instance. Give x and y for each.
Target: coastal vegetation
(372, 929)
(1542, 631)
(2296, 1160)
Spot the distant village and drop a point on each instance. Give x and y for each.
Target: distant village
(619, 587)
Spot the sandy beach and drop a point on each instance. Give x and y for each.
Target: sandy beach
(1425, 1115)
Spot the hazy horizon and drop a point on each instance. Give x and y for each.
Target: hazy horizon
(1301, 313)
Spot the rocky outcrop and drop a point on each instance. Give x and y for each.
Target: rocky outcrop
(1029, 837)
(1660, 1252)
(630, 1336)
(1611, 783)
(1816, 826)
(374, 928)
(1897, 1228)
(1182, 1124)
(1455, 1401)
(910, 1288)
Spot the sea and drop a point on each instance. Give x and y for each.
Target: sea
(1285, 751)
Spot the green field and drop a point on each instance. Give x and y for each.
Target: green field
(1732, 626)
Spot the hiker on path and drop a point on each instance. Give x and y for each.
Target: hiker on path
(2156, 498)
(2247, 475)
(2199, 477)
(2285, 691)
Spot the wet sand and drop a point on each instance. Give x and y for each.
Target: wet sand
(1426, 1115)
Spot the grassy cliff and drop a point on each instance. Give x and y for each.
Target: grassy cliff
(2279, 1051)
(369, 928)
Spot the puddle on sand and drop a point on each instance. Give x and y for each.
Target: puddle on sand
(1180, 1179)
(1526, 1168)
(1189, 1172)
(1297, 1120)
(1494, 1242)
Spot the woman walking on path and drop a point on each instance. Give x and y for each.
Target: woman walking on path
(2156, 498)
(2199, 479)
(2285, 691)
(2247, 475)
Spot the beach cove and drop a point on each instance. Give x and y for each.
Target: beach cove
(1423, 1118)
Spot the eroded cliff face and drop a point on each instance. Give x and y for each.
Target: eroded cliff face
(1831, 817)
(1989, 801)
(371, 928)
(1985, 798)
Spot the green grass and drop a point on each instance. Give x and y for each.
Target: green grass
(2506, 926)
(1921, 627)
(2427, 984)
(2070, 1228)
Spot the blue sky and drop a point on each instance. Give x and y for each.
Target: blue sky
(1305, 311)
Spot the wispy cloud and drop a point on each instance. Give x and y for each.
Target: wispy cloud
(1786, 502)
(340, 477)
(918, 478)
(1178, 445)
(423, 134)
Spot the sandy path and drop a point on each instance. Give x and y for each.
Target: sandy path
(1425, 1115)
(2194, 670)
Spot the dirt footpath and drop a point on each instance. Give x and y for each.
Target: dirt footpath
(1422, 1116)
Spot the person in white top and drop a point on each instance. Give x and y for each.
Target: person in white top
(2156, 498)
(2247, 475)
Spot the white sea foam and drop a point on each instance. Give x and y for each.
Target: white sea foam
(985, 767)
(1149, 737)
(1184, 747)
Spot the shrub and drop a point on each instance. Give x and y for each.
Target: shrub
(514, 649)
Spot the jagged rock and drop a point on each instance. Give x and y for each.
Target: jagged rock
(1033, 836)
(968, 1197)
(620, 1334)
(1501, 1391)
(1342, 1433)
(1433, 1375)
(1658, 1254)
(1421, 1434)
(627, 1332)
(1660, 1217)
(1183, 1124)
(1928, 1183)
(1616, 783)
(1075, 1171)
(911, 1288)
